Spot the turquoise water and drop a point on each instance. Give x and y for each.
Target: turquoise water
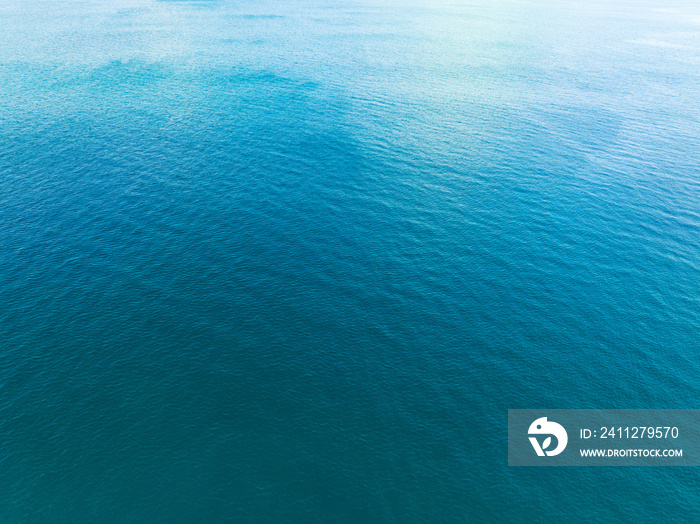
(294, 261)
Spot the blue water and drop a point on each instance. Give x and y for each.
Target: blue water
(294, 261)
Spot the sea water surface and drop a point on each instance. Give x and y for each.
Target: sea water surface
(293, 261)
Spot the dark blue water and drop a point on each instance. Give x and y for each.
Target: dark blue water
(294, 261)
